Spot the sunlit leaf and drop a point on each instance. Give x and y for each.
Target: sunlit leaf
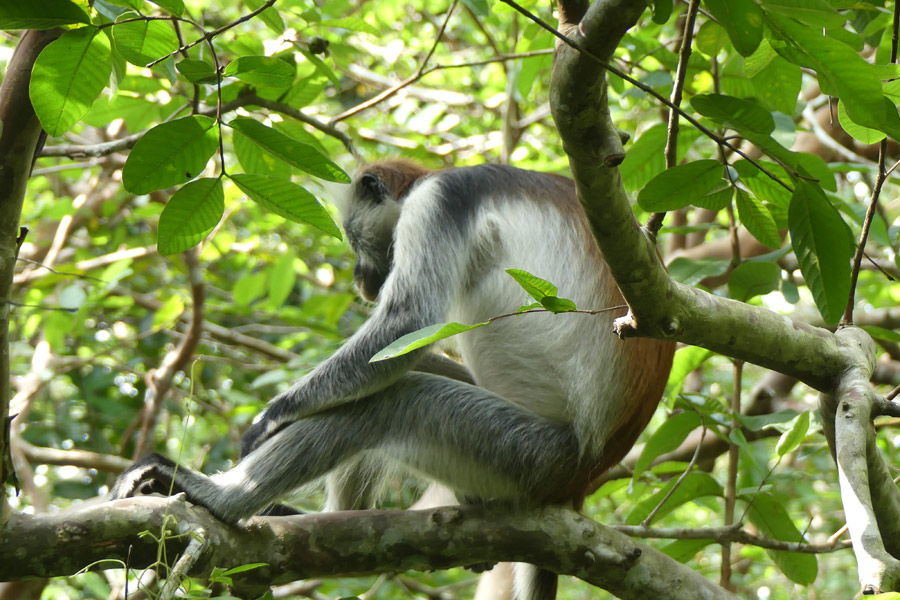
(40, 14)
(680, 186)
(261, 71)
(68, 76)
(190, 214)
(141, 42)
(423, 337)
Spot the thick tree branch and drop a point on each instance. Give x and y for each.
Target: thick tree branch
(20, 131)
(348, 543)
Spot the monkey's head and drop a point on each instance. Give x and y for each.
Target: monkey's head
(371, 213)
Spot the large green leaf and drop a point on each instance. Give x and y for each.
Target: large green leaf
(170, 153)
(680, 186)
(68, 76)
(197, 71)
(288, 200)
(817, 13)
(773, 521)
(257, 161)
(753, 279)
(297, 154)
(423, 337)
(261, 71)
(865, 135)
(757, 219)
(775, 80)
(694, 485)
(742, 19)
(282, 278)
(142, 42)
(190, 214)
(841, 70)
(742, 115)
(824, 246)
(40, 14)
(644, 159)
(691, 271)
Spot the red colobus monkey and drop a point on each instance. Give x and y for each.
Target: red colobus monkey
(553, 400)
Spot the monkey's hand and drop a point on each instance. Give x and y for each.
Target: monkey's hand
(153, 474)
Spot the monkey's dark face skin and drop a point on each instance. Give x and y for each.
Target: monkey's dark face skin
(368, 280)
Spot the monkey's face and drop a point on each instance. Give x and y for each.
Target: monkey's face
(371, 216)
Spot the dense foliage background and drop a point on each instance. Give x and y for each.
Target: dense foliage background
(102, 320)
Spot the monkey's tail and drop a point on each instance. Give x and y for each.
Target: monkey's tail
(533, 583)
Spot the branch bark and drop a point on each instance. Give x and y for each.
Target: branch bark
(20, 131)
(346, 543)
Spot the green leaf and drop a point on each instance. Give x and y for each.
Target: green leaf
(423, 337)
(691, 271)
(270, 16)
(170, 310)
(757, 219)
(142, 42)
(351, 24)
(248, 288)
(536, 287)
(812, 12)
(666, 438)
(662, 10)
(68, 76)
(686, 360)
(742, 115)
(753, 279)
(40, 14)
(773, 521)
(197, 71)
(842, 72)
(288, 200)
(297, 154)
(282, 278)
(760, 422)
(644, 159)
(858, 132)
(791, 438)
(190, 214)
(762, 186)
(717, 198)
(776, 80)
(685, 550)
(695, 485)
(742, 19)
(173, 7)
(479, 7)
(881, 333)
(680, 186)
(257, 161)
(261, 71)
(824, 246)
(711, 38)
(170, 153)
(558, 305)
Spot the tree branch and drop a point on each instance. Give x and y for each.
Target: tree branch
(347, 543)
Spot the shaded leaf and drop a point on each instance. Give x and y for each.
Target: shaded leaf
(288, 200)
(680, 186)
(742, 115)
(753, 279)
(742, 19)
(261, 71)
(770, 517)
(170, 153)
(666, 438)
(295, 153)
(40, 14)
(757, 219)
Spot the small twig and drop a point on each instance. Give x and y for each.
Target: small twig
(847, 319)
(646, 522)
(731, 486)
(55, 272)
(420, 72)
(654, 223)
(188, 559)
(723, 535)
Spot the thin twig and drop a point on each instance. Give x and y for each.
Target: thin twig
(646, 522)
(731, 487)
(420, 72)
(847, 318)
(654, 223)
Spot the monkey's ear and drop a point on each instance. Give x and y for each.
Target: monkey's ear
(372, 188)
